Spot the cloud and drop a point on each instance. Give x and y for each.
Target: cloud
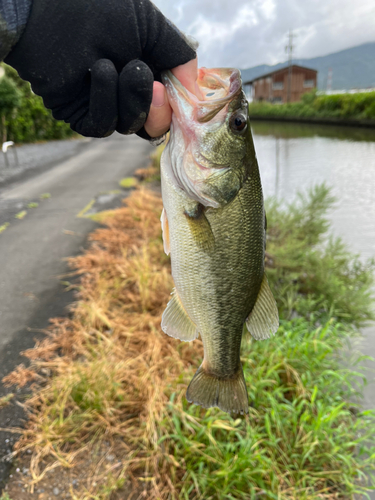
(246, 33)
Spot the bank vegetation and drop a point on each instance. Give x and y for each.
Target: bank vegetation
(340, 108)
(109, 386)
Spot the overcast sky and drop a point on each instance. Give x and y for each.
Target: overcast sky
(245, 33)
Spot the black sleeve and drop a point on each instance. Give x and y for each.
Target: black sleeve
(13, 18)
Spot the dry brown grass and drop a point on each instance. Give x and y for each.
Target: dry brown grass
(108, 408)
(112, 367)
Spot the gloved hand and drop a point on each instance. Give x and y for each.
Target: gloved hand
(94, 61)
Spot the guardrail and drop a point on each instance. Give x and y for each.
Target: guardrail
(5, 147)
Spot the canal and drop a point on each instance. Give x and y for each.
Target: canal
(294, 157)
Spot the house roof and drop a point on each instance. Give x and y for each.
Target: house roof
(279, 71)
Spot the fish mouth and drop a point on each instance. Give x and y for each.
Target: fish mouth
(218, 87)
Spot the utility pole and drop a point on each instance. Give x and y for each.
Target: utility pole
(289, 50)
(329, 81)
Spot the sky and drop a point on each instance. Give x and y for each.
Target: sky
(245, 33)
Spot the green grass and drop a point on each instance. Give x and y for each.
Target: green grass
(33, 204)
(21, 215)
(312, 274)
(4, 401)
(306, 437)
(341, 106)
(5, 496)
(303, 439)
(3, 227)
(128, 182)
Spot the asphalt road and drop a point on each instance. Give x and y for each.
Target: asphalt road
(33, 247)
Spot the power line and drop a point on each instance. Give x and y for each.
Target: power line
(289, 50)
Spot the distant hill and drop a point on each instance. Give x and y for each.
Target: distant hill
(351, 68)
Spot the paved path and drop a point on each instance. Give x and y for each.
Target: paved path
(32, 249)
(34, 158)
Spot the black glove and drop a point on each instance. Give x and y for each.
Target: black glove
(94, 61)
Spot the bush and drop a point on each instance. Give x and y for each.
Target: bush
(313, 275)
(346, 106)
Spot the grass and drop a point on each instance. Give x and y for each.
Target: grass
(33, 204)
(21, 215)
(128, 182)
(311, 273)
(108, 375)
(5, 400)
(3, 227)
(359, 106)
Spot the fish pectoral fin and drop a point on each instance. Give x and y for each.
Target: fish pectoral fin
(200, 227)
(228, 394)
(165, 231)
(263, 321)
(175, 321)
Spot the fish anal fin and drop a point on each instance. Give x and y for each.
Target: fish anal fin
(200, 227)
(165, 231)
(263, 321)
(228, 394)
(175, 321)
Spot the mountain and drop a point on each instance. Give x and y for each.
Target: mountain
(351, 68)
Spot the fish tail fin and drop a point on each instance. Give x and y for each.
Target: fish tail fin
(230, 394)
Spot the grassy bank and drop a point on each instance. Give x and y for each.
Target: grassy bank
(339, 107)
(108, 400)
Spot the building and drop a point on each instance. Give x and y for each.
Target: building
(274, 87)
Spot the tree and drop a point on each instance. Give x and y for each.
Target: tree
(10, 99)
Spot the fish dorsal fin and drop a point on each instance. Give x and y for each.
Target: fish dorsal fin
(263, 321)
(175, 321)
(165, 231)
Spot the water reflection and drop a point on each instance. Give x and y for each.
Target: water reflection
(298, 130)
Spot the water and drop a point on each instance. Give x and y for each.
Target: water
(294, 157)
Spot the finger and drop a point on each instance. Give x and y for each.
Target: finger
(187, 74)
(100, 118)
(160, 115)
(135, 95)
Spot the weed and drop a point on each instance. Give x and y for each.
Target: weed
(118, 379)
(33, 204)
(45, 196)
(5, 400)
(128, 182)
(311, 273)
(3, 227)
(21, 215)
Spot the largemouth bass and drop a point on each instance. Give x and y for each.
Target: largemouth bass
(213, 225)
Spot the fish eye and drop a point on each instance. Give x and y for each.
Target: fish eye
(238, 123)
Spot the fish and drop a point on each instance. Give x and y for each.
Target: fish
(214, 229)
